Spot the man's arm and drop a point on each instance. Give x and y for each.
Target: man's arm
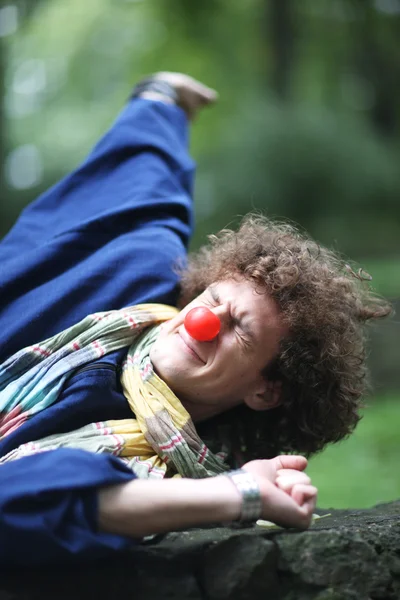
(143, 507)
(109, 234)
(66, 504)
(142, 160)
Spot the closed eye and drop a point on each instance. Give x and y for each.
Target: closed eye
(236, 323)
(245, 341)
(214, 295)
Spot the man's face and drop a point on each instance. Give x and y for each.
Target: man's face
(226, 371)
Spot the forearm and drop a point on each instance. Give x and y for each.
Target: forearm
(144, 507)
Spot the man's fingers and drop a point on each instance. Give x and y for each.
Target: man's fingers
(298, 463)
(188, 86)
(193, 100)
(283, 510)
(304, 494)
(192, 94)
(202, 90)
(208, 95)
(292, 508)
(295, 473)
(205, 92)
(287, 478)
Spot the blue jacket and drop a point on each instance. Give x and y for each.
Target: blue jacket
(105, 237)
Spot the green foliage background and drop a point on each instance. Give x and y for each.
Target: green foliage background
(307, 128)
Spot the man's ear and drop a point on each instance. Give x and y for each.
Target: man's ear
(264, 397)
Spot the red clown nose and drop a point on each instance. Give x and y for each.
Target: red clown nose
(201, 324)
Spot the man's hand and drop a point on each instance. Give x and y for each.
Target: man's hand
(288, 497)
(192, 95)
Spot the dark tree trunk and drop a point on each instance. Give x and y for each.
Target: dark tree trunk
(379, 63)
(281, 34)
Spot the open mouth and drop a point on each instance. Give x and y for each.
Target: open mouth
(189, 348)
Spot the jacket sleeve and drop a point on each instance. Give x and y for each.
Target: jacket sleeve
(139, 171)
(108, 235)
(48, 507)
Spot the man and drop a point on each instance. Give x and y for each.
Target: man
(109, 236)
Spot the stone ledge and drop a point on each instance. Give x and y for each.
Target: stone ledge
(351, 555)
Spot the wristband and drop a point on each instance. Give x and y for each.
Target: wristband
(250, 491)
(151, 84)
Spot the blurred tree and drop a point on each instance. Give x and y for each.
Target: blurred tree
(281, 20)
(377, 58)
(24, 10)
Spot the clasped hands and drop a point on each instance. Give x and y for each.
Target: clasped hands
(288, 498)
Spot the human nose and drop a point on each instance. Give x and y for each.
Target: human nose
(202, 324)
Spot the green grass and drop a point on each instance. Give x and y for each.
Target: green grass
(363, 470)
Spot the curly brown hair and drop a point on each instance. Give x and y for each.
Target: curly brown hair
(321, 363)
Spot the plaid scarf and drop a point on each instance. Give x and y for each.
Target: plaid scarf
(161, 439)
